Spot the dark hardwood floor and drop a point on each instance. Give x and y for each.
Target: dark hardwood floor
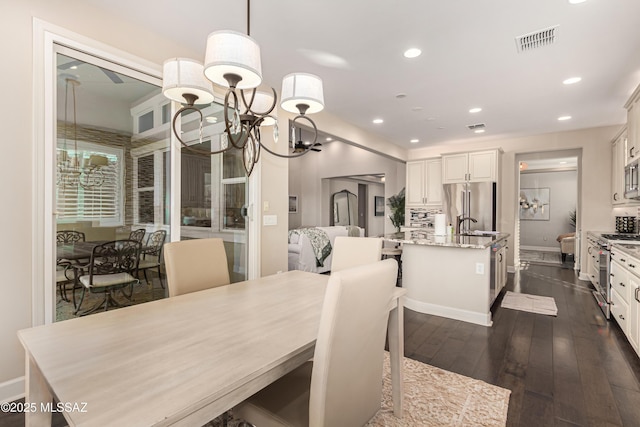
(575, 369)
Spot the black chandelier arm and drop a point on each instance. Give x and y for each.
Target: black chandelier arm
(249, 104)
(184, 144)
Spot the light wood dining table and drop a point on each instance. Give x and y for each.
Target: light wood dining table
(183, 360)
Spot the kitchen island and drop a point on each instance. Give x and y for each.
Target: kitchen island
(455, 276)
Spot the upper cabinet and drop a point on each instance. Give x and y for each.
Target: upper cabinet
(618, 161)
(479, 166)
(424, 183)
(633, 126)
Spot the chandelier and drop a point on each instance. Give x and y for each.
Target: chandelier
(74, 170)
(232, 60)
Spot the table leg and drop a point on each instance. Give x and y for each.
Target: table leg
(37, 396)
(396, 354)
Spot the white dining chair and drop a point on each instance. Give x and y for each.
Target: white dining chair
(354, 251)
(342, 386)
(195, 265)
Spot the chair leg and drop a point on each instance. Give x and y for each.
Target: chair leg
(77, 308)
(160, 277)
(564, 257)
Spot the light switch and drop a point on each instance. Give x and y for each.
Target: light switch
(479, 268)
(269, 220)
(265, 206)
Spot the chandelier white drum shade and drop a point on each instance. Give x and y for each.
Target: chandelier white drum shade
(230, 55)
(185, 76)
(300, 90)
(232, 60)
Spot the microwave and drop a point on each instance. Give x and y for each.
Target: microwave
(632, 180)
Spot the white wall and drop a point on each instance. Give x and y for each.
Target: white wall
(339, 159)
(563, 193)
(594, 189)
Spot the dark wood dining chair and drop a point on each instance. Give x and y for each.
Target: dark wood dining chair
(113, 266)
(152, 255)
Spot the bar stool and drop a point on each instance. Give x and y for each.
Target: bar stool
(395, 252)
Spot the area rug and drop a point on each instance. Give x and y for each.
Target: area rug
(540, 257)
(434, 397)
(531, 303)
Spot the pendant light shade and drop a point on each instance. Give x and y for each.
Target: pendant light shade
(185, 76)
(302, 88)
(233, 53)
(262, 103)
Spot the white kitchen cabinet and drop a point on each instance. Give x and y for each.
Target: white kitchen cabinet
(501, 268)
(618, 161)
(424, 183)
(625, 294)
(633, 126)
(620, 311)
(634, 312)
(479, 166)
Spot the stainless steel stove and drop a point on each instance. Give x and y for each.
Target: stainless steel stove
(599, 247)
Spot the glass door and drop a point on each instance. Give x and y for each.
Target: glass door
(112, 146)
(214, 188)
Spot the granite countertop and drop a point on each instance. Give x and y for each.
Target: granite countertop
(631, 250)
(427, 238)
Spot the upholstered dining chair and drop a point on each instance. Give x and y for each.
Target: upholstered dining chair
(343, 384)
(195, 265)
(137, 235)
(151, 256)
(113, 265)
(354, 251)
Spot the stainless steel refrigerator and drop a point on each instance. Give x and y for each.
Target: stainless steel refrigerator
(471, 199)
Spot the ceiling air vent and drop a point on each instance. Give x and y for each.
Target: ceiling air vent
(476, 126)
(537, 39)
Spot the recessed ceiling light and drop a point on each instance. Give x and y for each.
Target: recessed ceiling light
(563, 118)
(328, 139)
(440, 127)
(563, 163)
(479, 131)
(475, 110)
(576, 1)
(377, 121)
(414, 141)
(412, 53)
(211, 119)
(571, 80)
(73, 67)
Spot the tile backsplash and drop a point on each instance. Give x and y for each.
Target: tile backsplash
(422, 217)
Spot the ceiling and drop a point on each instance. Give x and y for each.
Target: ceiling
(469, 59)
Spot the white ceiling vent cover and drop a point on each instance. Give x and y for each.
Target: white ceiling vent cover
(477, 126)
(537, 39)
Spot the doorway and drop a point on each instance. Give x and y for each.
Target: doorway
(548, 208)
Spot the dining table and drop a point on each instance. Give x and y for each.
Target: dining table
(182, 360)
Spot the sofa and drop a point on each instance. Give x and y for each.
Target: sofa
(311, 248)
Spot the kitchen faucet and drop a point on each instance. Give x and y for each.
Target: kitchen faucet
(460, 220)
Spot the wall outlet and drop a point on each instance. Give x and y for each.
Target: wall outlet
(479, 268)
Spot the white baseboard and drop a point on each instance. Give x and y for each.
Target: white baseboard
(584, 276)
(541, 248)
(12, 390)
(483, 319)
(512, 269)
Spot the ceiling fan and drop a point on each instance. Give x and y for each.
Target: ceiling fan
(114, 77)
(300, 145)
